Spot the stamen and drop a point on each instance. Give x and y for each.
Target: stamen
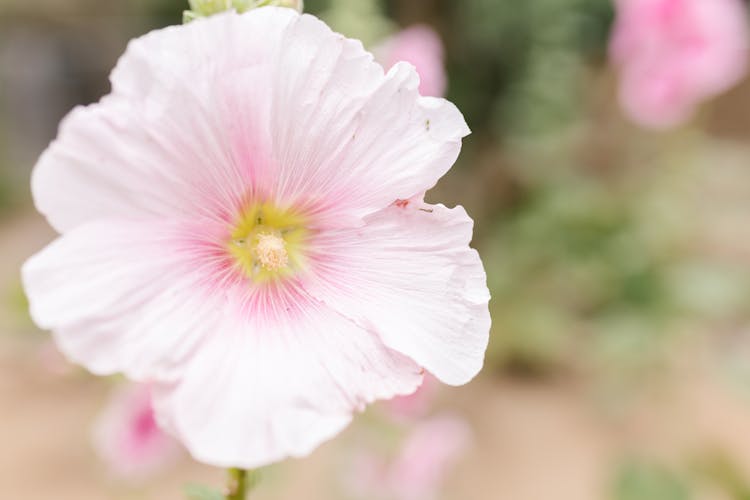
(271, 251)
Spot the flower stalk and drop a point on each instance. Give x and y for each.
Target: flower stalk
(240, 483)
(237, 487)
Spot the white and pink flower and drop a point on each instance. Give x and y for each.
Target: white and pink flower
(127, 438)
(243, 226)
(674, 54)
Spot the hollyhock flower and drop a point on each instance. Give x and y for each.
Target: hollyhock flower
(243, 226)
(127, 438)
(426, 456)
(418, 470)
(421, 46)
(673, 54)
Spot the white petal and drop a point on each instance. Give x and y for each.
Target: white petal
(259, 392)
(111, 161)
(164, 142)
(344, 133)
(120, 297)
(267, 104)
(204, 49)
(341, 135)
(410, 275)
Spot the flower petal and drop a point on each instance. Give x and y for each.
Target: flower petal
(112, 161)
(329, 106)
(410, 275)
(355, 137)
(154, 64)
(98, 167)
(266, 104)
(260, 392)
(121, 297)
(162, 143)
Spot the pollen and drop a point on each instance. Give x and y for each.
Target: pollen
(270, 250)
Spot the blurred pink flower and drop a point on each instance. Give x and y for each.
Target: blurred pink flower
(413, 406)
(127, 438)
(428, 453)
(419, 469)
(242, 225)
(421, 46)
(673, 54)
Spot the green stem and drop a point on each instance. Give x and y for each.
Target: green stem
(240, 483)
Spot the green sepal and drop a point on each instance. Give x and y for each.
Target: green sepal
(205, 8)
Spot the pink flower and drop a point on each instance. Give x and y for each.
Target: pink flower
(416, 405)
(426, 456)
(420, 467)
(421, 46)
(673, 54)
(243, 226)
(127, 438)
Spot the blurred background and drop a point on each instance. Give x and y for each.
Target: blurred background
(610, 185)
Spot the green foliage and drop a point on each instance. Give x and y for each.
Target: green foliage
(18, 303)
(640, 480)
(572, 262)
(362, 19)
(201, 492)
(721, 471)
(528, 58)
(602, 268)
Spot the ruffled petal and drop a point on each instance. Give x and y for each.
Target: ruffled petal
(332, 134)
(101, 165)
(259, 392)
(163, 143)
(122, 297)
(155, 64)
(410, 275)
(347, 138)
(267, 104)
(112, 161)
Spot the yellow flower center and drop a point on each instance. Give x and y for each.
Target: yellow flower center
(268, 242)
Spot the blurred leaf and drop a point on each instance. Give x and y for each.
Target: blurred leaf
(532, 339)
(15, 305)
(637, 480)
(362, 19)
(201, 492)
(722, 471)
(711, 289)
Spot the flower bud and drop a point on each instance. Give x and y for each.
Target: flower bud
(298, 5)
(204, 8)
